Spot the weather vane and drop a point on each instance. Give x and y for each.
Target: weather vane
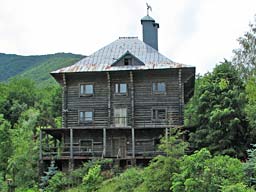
(148, 8)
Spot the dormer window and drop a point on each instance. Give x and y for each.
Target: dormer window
(127, 61)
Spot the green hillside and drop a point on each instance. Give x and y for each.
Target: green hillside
(34, 67)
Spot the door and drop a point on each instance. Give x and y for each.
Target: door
(118, 147)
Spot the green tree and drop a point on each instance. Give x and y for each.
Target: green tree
(245, 56)
(202, 172)
(22, 165)
(221, 122)
(5, 145)
(158, 175)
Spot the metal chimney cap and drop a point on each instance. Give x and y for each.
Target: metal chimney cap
(147, 18)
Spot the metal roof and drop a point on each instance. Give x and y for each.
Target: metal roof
(103, 59)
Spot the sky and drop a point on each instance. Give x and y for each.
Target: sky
(200, 33)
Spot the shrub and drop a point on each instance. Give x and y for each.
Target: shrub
(93, 179)
(129, 180)
(201, 172)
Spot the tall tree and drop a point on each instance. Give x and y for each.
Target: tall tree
(221, 124)
(245, 56)
(5, 145)
(22, 165)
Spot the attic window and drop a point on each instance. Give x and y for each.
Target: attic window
(127, 61)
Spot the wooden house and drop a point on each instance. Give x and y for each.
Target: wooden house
(118, 102)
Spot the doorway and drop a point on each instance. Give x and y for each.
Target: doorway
(118, 145)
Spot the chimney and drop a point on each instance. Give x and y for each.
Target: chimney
(149, 30)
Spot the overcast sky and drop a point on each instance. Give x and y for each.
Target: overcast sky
(195, 32)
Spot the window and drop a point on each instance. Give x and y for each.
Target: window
(121, 88)
(86, 89)
(120, 117)
(158, 114)
(127, 61)
(85, 116)
(159, 87)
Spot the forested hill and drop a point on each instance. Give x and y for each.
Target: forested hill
(36, 67)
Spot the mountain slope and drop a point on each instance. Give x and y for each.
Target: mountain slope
(34, 67)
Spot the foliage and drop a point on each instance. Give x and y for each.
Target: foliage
(78, 174)
(92, 180)
(202, 172)
(34, 67)
(22, 164)
(250, 167)
(251, 105)
(238, 187)
(52, 170)
(109, 185)
(158, 174)
(129, 180)
(245, 56)
(5, 145)
(57, 182)
(221, 123)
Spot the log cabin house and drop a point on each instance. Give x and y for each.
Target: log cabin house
(118, 102)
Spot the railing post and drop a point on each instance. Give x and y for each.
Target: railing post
(104, 142)
(71, 157)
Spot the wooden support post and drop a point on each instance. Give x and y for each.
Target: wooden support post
(71, 158)
(104, 142)
(64, 102)
(133, 144)
(109, 99)
(132, 114)
(166, 134)
(181, 96)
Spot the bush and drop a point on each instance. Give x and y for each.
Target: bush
(129, 180)
(57, 182)
(239, 187)
(93, 179)
(201, 172)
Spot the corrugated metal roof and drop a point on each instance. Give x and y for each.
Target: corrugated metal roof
(103, 59)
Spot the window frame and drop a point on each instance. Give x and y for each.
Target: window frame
(86, 94)
(157, 91)
(85, 121)
(118, 86)
(157, 115)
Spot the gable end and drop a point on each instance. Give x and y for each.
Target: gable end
(127, 59)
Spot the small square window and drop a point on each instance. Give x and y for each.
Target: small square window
(121, 88)
(126, 61)
(86, 89)
(159, 87)
(85, 116)
(158, 114)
